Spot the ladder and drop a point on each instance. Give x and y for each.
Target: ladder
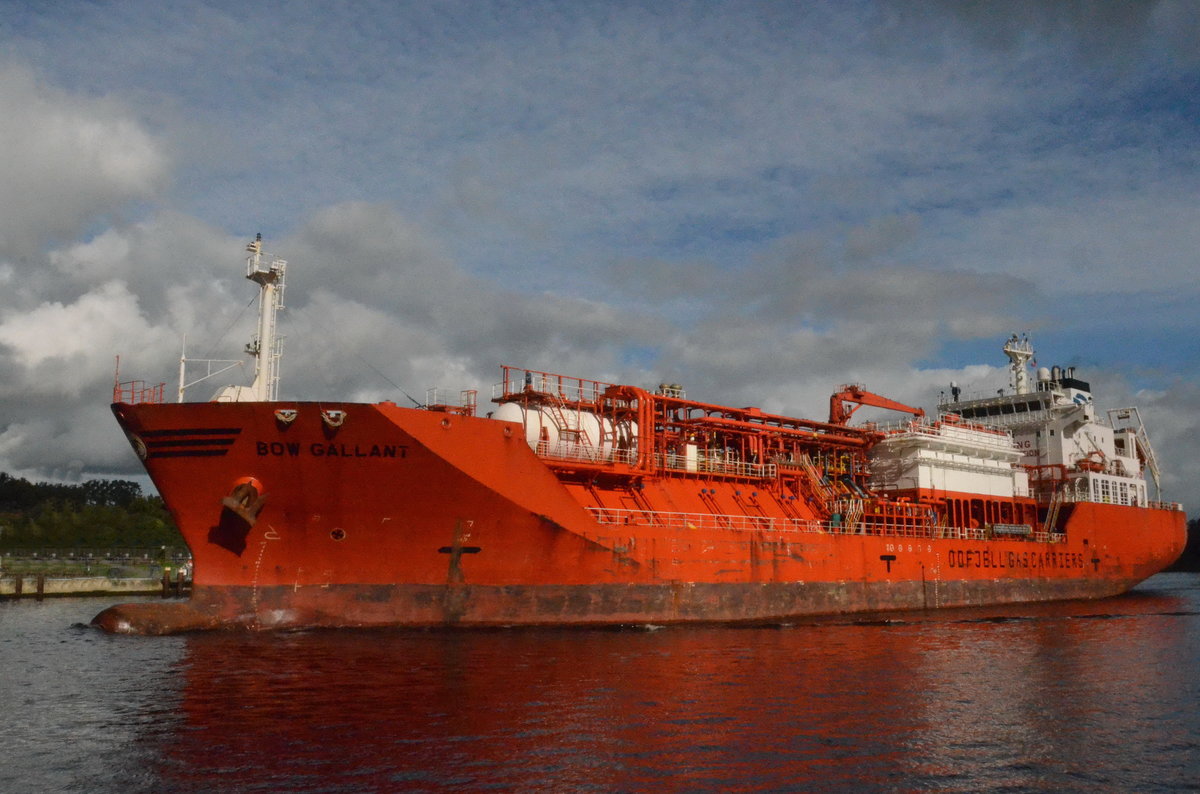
(1131, 419)
(1051, 522)
(567, 433)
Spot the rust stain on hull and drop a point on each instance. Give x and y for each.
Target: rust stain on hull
(344, 606)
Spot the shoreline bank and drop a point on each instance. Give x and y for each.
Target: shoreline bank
(41, 586)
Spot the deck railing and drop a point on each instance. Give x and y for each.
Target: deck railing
(698, 464)
(585, 453)
(568, 389)
(1071, 496)
(132, 392)
(747, 523)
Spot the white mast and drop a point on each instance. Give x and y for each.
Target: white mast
(266, 347)
(1019, 351)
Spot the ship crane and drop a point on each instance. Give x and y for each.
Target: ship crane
(851, 397)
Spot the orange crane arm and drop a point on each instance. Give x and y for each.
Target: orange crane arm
(844, 403)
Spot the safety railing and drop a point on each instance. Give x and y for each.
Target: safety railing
(694, 521)
(697, 464)
(568, 389)
(1084, 496)
(716, 464)
(747, 523)
(132, 392)
(440, 400)
(586, 453)
(960, 431)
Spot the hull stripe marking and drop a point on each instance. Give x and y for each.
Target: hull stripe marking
(192, 431)
(187, 453)
(192, 442)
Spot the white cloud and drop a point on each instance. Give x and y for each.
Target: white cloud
(62, 348)
(67, 160)
(54, 331)
(761, 201)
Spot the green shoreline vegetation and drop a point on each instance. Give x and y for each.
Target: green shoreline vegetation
(98, 527)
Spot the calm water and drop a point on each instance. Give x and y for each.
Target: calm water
(1081, 696)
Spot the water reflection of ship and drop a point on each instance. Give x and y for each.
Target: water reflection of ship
(587, 710)
(837, 703)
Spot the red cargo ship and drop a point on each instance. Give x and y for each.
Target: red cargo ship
(577, 502)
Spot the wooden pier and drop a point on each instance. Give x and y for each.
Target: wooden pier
(41, 586)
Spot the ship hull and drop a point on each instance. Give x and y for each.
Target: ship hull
(477, 606)
(375, 515)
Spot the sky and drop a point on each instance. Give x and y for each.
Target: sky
(759, 201)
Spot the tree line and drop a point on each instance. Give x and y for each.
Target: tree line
(96, 514)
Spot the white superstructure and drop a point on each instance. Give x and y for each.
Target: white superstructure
(1041, 438)
(1060, 438)
(949, 455)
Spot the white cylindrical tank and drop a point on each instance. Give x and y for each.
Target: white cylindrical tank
(531, 420)
(550, 426)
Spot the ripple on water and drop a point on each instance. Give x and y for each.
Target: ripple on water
(1071, 696)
